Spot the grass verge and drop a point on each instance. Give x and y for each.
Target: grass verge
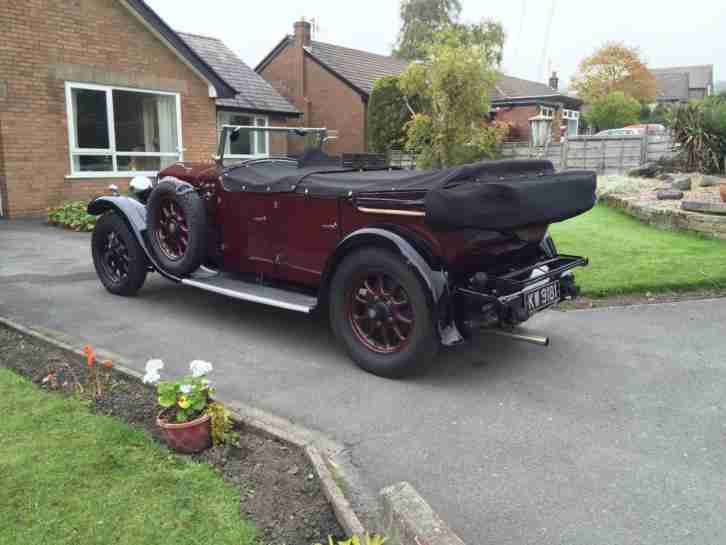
(627, 256)
(70, 477)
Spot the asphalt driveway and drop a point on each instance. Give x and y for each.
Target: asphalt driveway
(613, 435)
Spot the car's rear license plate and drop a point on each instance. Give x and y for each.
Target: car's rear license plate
(541, 298)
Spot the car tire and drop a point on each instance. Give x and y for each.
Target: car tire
(373, 332)
(177, 228)
(119, 260)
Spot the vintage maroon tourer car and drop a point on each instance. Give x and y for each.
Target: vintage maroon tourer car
(403, 261)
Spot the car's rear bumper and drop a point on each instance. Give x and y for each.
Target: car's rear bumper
(513, 298)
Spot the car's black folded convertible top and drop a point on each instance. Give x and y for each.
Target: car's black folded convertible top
(486, 195)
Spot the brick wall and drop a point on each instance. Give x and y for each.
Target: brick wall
(323, 98)
(48, 42)
(519, 117)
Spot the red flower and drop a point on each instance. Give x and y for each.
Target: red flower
(90, 355)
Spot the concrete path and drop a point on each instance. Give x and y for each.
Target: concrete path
(614, 435)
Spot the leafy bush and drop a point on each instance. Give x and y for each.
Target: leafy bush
(614, 111)
(387, 116)
(700, 128)
(72, 215)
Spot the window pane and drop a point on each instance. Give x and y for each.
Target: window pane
(145, 122)
(243, 144)
(92, 163)
(126, 163)
(261, 137)
(90, 118)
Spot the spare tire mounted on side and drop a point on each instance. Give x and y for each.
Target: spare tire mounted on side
(177, 227)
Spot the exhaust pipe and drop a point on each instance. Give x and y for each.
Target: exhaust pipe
(532, 339)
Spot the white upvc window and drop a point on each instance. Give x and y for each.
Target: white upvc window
(572, 118)
(546, 111)
(249, 143)
(122, 132)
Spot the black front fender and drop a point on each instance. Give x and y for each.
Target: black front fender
(130, 209)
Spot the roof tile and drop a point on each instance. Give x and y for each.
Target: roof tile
(254, 92)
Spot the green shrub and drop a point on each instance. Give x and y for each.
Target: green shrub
(387, 116)
(613, 111)
(72, 215)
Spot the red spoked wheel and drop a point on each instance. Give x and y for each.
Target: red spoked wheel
(172, 230)
(177, 222)
(380, 313)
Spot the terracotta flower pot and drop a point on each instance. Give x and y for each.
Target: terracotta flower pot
(187, 437)
(722, 187)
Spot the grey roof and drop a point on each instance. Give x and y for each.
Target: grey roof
(508, 87)
(254, 93)
(360, 68)
(672, 86)
(700, 77)
(174, 40)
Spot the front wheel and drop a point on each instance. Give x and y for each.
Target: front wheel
(118, 257)
(379, 312)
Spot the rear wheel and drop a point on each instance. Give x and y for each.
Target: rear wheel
(120, 261)
(379, 312)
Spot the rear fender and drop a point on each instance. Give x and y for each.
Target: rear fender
(432, 276)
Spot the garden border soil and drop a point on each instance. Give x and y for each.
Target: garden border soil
(408, 518)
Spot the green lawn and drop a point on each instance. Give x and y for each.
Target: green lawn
(627, 256)
(70, 477)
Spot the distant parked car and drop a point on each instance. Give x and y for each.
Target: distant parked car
(652, 128)
(616, 133)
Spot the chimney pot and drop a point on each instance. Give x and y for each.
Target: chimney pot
(554, 81)
(303, 32)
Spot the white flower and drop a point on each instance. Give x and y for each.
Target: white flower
(186, 388)
(200, 368)
(151, 377)
(154, 366)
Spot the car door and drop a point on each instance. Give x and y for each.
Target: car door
(246, 232)
(306, 231)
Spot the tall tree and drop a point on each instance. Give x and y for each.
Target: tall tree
(615, 67)
(454, 83)
(420, 20)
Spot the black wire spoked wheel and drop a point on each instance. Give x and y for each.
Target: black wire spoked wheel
(172, 230)
(119, 260)
(115, 257)
(380, 313)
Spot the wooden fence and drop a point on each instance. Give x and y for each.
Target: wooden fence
(606, 155)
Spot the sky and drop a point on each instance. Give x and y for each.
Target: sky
(667, 33)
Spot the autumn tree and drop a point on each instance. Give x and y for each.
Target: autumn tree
(615, 67)
(454, 82)
(613, 111)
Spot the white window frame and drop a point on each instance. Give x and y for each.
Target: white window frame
(572, 115)
(546, 111)
(255, 134)
(111, 150)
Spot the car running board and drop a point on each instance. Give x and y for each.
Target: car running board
(235, 288)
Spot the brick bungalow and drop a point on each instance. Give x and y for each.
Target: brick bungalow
(526, 104)
(331, 86)
(94, 92)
